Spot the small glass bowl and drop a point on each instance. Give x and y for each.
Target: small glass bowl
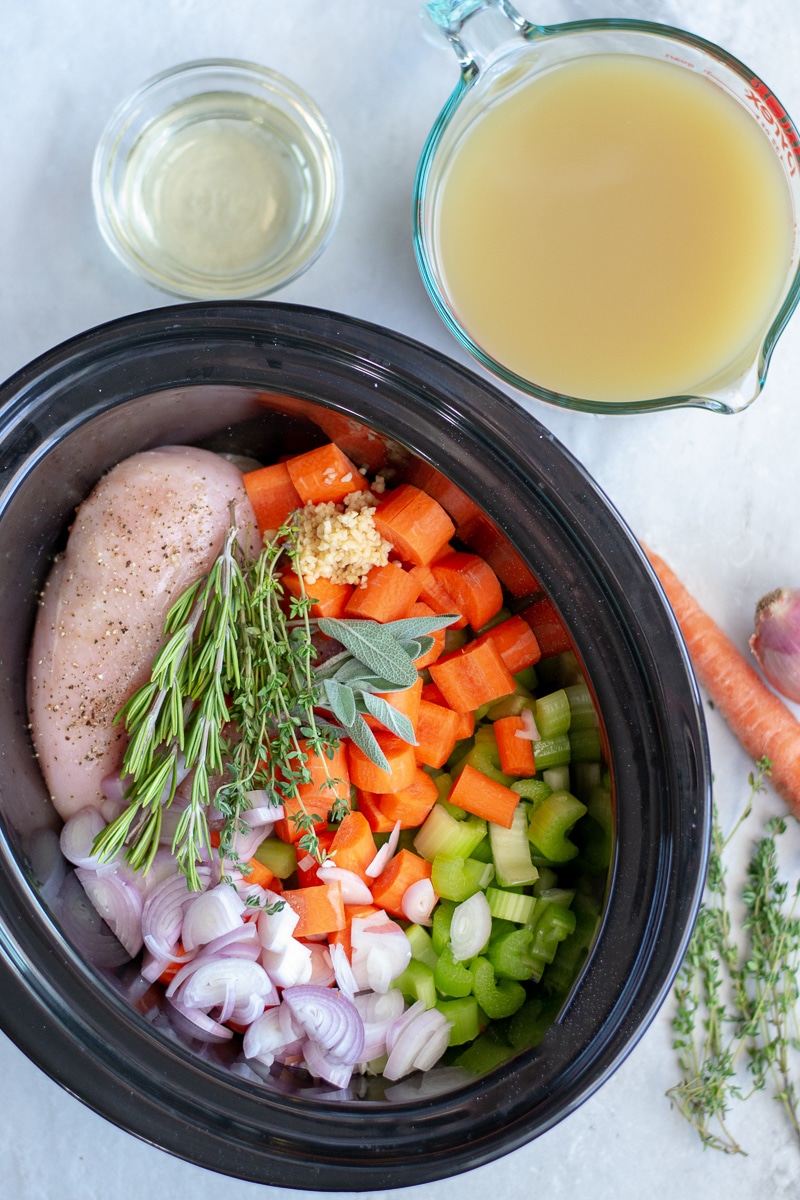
(217, 179)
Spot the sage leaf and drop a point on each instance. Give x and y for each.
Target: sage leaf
(363, 737)
(414, 627)
(341, 701)
(396, 722)
(374, 645)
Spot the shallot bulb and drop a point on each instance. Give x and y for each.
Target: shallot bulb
(776, 641)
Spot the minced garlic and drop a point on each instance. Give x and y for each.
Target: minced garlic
(339, 541)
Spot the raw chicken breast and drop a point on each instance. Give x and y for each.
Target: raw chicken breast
(151, 527)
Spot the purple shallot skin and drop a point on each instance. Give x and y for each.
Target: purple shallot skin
(776, 641)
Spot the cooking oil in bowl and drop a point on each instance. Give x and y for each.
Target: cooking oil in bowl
(218, 179)
(217, 186)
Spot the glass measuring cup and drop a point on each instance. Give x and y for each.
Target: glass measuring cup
(507, 61)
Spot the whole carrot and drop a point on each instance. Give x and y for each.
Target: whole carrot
(761, 722)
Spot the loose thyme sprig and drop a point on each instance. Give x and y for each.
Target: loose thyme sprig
(736, 1000)
(232, 696)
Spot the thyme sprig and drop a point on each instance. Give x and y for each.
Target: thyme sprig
(737, 991)
(234, 699)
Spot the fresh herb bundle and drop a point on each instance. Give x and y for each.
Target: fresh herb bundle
(234, 698)
(737, 991)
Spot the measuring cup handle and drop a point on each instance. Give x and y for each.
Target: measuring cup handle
(477, 29)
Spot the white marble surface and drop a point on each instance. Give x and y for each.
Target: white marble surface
(715, 495)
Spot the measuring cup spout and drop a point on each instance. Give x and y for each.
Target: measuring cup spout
(478, 29)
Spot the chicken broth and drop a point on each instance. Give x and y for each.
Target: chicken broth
(617, 229)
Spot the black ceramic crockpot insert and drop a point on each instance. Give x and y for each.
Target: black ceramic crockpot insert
(270, 379)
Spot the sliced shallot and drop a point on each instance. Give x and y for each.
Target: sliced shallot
(384, 856)
(419, 901)
(354, 890)
(118, 903)
(328, 1019)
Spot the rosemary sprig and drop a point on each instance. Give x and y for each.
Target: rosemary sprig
(234, 697)
(737, 991)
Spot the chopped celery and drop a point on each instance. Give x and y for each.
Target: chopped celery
(532, 789)
(552, 927)
(421, 945)
(568, 668)
(552, 714)
(502, 615)
(596, 832)
(551, 822)
(552, 752)
(483, 851)
(557, 778)
(511, 850)
(278, 856)
(526, 679)
(441, 833)
(547, 879)
(586, 776)
(440, 931)
(464, 1016)
(444, 782)
(572, 951)
(417, 983)
(458, 878)
(510, 954)
(585, 745)
(451, 978)
(497, 997)
(510, 906)
(511, 706)
(454, 639)
(485, 1053)
(485, 757)
(581, 707)
(529, 1024)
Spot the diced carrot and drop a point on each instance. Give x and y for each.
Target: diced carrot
(330, 780)
(473, 676)
(516, 642)
(516, 753)
(272, 495)
(436, 596)
(759, 719)
(416, 525)
(483, 797)
(393, 883)
(324, 474)
(367, 775)
(411, 805)
(341, 937)
(456, 503)
(327, 599)
(307, 865)
(483, 537)
(256, 872)
(406, 702)
(466, 720)
(320, 909)
(288, 829)
(421, 609)
(360, 443)
(436, 734)
(547, 626)
(171, 970)
(384, 594)
(353, 846)
(473, 585)
(369, 805)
